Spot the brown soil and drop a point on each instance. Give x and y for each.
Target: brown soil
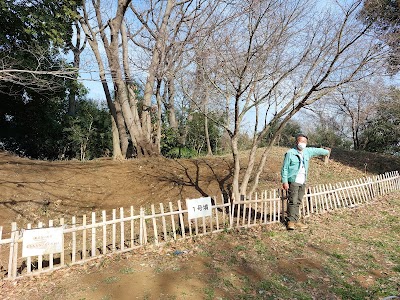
(32, 190)
(41, 190)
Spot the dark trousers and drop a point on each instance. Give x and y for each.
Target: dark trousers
(296, 193)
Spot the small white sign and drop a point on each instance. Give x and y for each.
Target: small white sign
(42, 241)
(200, 207)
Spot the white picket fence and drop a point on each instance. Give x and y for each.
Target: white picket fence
(85, 239)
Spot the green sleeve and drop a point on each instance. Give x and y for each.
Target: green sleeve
(318, 152)
(285, 168)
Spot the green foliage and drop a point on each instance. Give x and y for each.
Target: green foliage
(88, 135)
(31, 122)
(196, 138)
(43, 22)
(169, 140)
(173, 146)
(181, 152)
(35, 31)
(384, 15)
(286, 137)
(289, 132)
(324, 136)
(36, 125)
(244, 141)
(382, 133)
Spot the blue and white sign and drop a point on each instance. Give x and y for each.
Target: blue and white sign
(197, 208)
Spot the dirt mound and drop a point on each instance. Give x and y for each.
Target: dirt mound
(32, 190)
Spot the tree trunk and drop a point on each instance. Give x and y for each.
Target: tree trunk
(117, 154)
(159, 123)
(249, 169)
(76, 50)
(209, 150)
(72, 92)
(236, 169)
(144, 145)
(120, 125)
(140, 132)
(171, 103)
(117, 117)
(155, 62)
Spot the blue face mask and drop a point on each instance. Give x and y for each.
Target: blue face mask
(301, 146)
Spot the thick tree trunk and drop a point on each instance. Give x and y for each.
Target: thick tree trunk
(249, 169)
(207, 135)
(140, 132)
(159, 123)
(72, 102)
(206, 131)
(155, 62)
(171, 103)
(144, 145)
(120, 124)
(236, 169)
(117, 154)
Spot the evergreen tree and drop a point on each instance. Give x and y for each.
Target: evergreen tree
(383, 131)
(384, 15)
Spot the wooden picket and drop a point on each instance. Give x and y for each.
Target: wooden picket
(86, 240)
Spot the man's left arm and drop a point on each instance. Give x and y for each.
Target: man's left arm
(319, 152)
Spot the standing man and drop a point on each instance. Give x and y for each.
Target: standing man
(294, 176)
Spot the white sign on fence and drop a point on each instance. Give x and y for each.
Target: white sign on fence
(42, 241)
(200, 207)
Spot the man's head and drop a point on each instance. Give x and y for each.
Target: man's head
(301, 141)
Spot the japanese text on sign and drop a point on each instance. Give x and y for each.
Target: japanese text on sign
(42, 241)
(200, 207)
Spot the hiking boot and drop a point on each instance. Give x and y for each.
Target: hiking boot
(290, 225)
(300, 225)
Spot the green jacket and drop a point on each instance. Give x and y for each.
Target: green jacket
(291, 163)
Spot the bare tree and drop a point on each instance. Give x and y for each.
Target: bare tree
(127, 115)
(158, 30)
(268, 59)
(276, 57)
(168, 31)
(357, 104)
(44, 76)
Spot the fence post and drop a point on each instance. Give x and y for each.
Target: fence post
(230, 211)
(155, 231)
(104, 228)
(62, 255)
(51, 255)
(1, 236)
(326, 157)
(122, 228)
(12, 257)
(141, 226)
(397, 180)
(181, 222)
(93, 248)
